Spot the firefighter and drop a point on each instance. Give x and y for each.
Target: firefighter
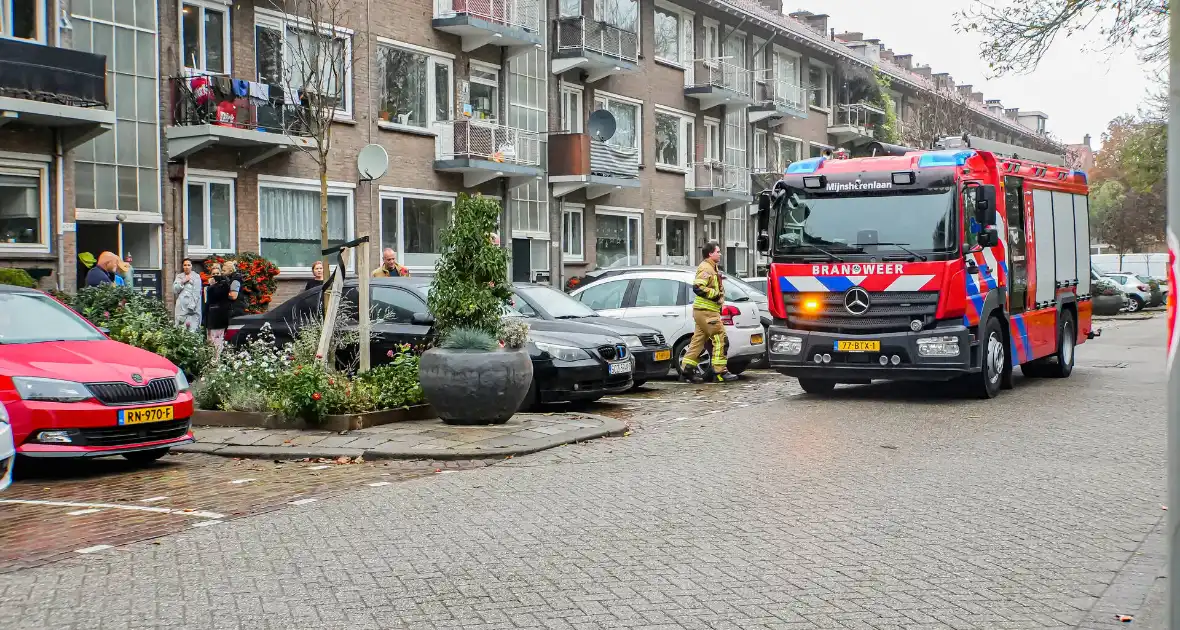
(706, 312)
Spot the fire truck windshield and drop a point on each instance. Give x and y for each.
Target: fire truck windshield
(879, 223)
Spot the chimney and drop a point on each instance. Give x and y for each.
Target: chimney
(964, 91)
(944, 81)
(774, 6)
(906, 61)
(923, 70)
(977, 97)
(1012, 112)
(887, 55)
(817, 21)
(851, 37)
(1086, 140)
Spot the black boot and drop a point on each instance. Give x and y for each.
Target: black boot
(692, 374)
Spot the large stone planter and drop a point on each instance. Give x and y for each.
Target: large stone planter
(352, 422)
(473, 386)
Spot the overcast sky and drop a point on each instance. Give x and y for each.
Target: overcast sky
(1078, 85)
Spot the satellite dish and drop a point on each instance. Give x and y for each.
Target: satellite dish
(372, 162)
(601, 125)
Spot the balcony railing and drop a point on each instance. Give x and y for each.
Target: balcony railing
(581, 33)
(523, 14)
(719, 177)
(611, 161)
(859, 116)
(718, 73)
(212, 100)
(782, 93)
(52, 75)
(489, 141)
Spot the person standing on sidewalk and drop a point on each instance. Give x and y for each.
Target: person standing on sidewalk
(706, 313)
(389, 267)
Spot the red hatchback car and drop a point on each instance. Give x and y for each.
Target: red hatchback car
(72, 392)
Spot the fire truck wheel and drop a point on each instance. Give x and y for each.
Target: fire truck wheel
(986, 383)
(816, 386)
(1062, 365)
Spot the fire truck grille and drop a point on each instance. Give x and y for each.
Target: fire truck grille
(889, 311)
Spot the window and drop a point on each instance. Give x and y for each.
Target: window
(484, 91)
(735, 138)
(785, 68)
(394, 305)
(209, 214)
(712, 43)
(605, 295)
(23, 19)
(569, 8)
(24, 203)
(737, 224)
(628, 121)
(673, 34)
(289, 222)
(412, 226)
(713, 230)
(817, 150)
(712, 140)
(760, 162)
(414, 88)
(572, 116)
(618, 238)
(621, 14)
(313, 58)
(819, 85)
(658, 292)
(783, 151)
(119, 170)
(674, 242)
(205, 36)
(572, 234)
(674, 139)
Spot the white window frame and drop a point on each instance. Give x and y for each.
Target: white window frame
(713, 230)
(685, 46)
(712, 127)
(604, 98)
(761, 151)
(401, 194)
(474, 67)
(42, 7)
(41, 168)
(432, 57)
(576, 93)
(662, 242)
(629, 213)
(778, 139)
(775, 69)
(741, 217)
(223, 6)
(686, 142)
(268, 18)
(810, 145)
(826, 104)
(206, 178)
(569, 210)
(710, 45)
(339, 189)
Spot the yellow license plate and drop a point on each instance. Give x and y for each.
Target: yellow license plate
(145, 415)
(663, 355)
(858, 346)
(755, 339)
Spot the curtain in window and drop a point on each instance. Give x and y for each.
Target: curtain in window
(289, 225)
(626, 119)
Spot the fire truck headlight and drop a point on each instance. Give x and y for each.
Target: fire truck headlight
(938, 347)
(786, 344)
(810, 305)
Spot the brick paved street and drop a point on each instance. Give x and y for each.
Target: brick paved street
(751, 506)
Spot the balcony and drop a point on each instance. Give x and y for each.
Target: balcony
(56, 88)
(514, 25)
(716, 81)
(596, 47)
(207, 113)
(578, 163)
(854, 123)
(483, 150)
(764, 177)
(717, 184)
(777, 100)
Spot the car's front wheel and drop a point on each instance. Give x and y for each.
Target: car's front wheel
(145, 457)
(1135, 305)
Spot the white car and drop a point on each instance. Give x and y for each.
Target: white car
(7, 449)
(663, 299)
(1136, 289)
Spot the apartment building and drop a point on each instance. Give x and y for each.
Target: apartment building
(190, 138)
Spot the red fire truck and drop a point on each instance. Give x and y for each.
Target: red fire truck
(941, 265)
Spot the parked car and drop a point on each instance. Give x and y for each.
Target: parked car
(1159, 296)
(1107, 296)
(69, 391)
(662, 298)
(1137, 290)
(758, 283)
(571, 361)
(653, 355)
(7, 449)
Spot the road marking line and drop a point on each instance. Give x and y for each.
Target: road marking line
(132, 508)
(207, 523)
(678, 419)
(303, 501)
(380, 483)
(81, 512)
(320, 467)
(241, 481)
(93, 549)
(153, 499)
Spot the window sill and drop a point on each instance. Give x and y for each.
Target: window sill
(668, 168)
(397, 127)
(676, 65)
(824, 110)
(34, 252)
(209, 252)
(344, 120)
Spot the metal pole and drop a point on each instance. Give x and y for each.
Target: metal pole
(1173, 341)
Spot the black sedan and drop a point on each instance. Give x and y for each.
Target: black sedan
(571, 361)
(653, 355)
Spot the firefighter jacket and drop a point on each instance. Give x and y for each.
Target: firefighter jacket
(707, 287)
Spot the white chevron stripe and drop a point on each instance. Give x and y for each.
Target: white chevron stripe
(809, 284)
(909, 283)
(856, 280)
(989, 259)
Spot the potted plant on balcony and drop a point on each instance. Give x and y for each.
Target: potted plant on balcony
(469, 377)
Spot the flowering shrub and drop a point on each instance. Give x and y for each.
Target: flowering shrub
(573, 283)
(395, 384)
(17, 277)
(258, 279)
(308, 393)
(514, 332)
(243, 375)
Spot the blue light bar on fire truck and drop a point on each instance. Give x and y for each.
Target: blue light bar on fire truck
(944, 158)
(809, 165)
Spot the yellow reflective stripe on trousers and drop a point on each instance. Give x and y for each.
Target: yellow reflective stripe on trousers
(703, 304)
(719, 357)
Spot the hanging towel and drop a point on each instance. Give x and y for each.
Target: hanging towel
(241, 88)
(259, 91)
(223, 86)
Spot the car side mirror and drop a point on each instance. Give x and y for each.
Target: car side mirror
(985, 205)
(989, 237)
(422, 319)
(763, 222)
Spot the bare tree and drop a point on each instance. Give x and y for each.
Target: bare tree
(939, 114)
(1017, 34)
(312, 60)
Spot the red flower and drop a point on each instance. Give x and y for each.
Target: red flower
(389, 354)
(332, 381)
(316, 396)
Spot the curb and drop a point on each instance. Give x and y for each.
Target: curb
(611, 427)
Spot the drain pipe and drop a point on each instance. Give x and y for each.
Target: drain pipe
(59, 166)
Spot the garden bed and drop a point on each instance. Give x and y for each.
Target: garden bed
(347, 422)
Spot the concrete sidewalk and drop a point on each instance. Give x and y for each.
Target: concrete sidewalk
(423, 439)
